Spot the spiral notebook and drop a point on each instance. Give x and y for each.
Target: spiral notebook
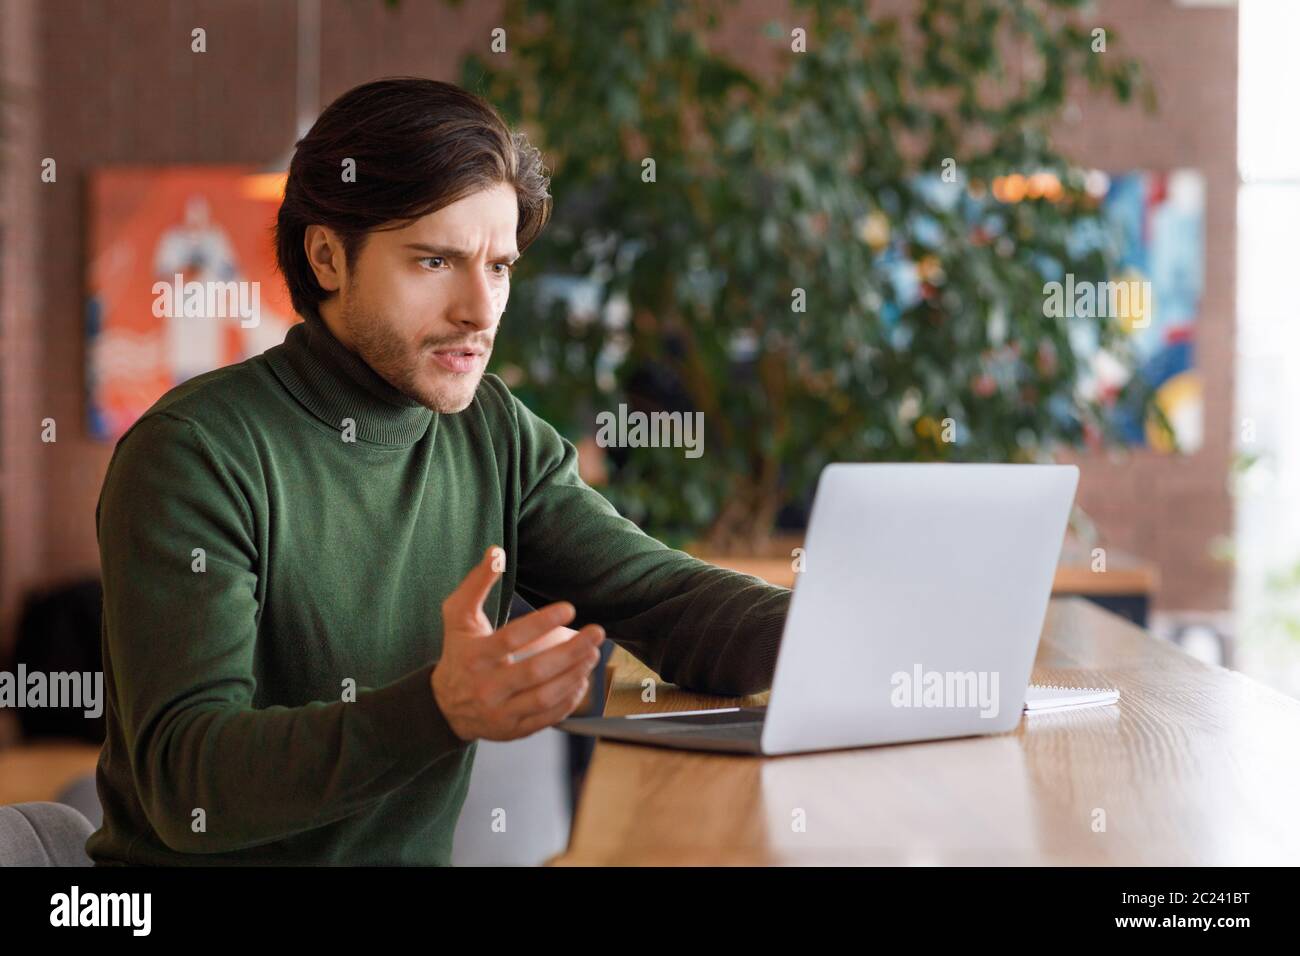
(1040, 698)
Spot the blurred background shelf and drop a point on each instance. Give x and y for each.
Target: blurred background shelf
(1126, 586)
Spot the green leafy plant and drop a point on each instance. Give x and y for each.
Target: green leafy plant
(804, 178)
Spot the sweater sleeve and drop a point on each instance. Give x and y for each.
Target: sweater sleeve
(179, 642)
(698, 626)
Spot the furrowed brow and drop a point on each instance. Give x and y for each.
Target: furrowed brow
(454, 252)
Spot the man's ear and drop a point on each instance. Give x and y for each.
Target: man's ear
(324, 251)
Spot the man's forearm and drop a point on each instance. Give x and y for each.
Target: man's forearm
(694, 624)
(698, 626)
(262, 775)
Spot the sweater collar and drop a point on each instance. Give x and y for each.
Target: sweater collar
(334, 383)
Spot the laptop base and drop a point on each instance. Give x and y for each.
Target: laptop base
(728, 731)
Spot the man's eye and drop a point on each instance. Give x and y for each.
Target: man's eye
(437, 260)
(504, 268)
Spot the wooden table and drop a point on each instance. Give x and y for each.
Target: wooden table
(1195, 765)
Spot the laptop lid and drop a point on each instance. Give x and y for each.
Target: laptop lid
(920, 604)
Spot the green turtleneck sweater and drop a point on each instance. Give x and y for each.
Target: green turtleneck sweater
(277, 538)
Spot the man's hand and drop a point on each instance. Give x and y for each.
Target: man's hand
(509, 683)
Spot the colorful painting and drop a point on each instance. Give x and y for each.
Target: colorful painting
(181, 280)
(1160, 221)
(1153, 225)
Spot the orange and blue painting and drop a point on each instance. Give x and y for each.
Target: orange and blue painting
(181, 280)
(1160, 219)
(1152, 225)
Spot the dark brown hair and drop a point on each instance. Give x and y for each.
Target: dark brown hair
(418, 145)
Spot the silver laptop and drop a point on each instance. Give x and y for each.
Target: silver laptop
(916, 614)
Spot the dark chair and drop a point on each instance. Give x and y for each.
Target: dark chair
(59, 632)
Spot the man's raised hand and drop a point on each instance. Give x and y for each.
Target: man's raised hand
(512, 682)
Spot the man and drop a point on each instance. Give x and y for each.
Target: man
(309, 557)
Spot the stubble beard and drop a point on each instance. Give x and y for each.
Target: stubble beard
(409, 369)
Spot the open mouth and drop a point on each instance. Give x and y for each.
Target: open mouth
(458, 360)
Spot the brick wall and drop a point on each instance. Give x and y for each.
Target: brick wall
(117, 83)
(21, 468)
(1170, 509)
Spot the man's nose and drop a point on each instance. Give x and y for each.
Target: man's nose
(476, 305)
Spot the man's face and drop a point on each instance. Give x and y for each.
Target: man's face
(421, 304)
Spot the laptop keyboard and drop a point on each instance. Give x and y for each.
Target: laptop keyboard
(737, 724)
(749, 731)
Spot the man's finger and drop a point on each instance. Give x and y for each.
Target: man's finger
(543, 697)
(544, 665)
(551, 638)
(530, 725)
(524, 630)
(466, 601)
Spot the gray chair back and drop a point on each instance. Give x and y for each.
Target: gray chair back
(43, 834)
